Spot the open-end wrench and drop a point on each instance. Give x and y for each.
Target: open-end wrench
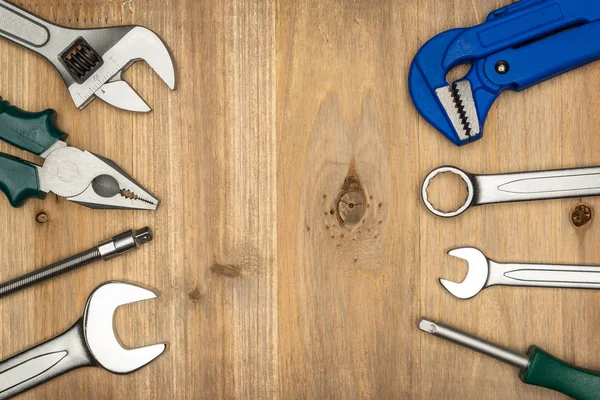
(521, 186)
(90, 342)
(484, 273)
(90, 61)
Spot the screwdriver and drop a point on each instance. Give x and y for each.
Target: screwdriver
(118, 245)
(537, 367)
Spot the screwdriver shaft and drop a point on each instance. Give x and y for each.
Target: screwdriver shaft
(489, 349)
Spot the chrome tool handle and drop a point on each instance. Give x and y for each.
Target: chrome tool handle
(44, 362)
(541, 185)
(545, 275)
(22, 27)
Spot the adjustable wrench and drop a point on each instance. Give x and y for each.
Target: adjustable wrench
(90, 61)
(90, 342)
(522, 186)
(484, 273)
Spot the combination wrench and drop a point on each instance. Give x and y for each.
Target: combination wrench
(90, 342)
(521, 186)
(484, 273)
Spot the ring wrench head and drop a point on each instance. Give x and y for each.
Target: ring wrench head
(466, 179)
(99, 331)
(477, 274)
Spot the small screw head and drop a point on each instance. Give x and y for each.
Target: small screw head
(41, 218)
(502, 67)
(581, 215)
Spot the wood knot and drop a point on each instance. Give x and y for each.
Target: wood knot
(352, 202)
(195, 295)
(226, 270)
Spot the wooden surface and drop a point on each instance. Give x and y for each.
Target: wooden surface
(292, 254)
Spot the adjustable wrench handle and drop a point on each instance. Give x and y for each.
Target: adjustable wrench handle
(44, 362)
(23, 28)
(545, 275)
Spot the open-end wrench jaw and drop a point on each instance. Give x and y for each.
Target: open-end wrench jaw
(477, 274)
(99, 333)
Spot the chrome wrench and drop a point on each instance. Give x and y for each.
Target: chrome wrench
(484, 273)
(90, 342)
(521, 186)
(90, 61)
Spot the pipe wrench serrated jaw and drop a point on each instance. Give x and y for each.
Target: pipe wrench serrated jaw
(457, 110)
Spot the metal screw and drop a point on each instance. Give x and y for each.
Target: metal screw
(41, 218)
(502, 67)
(581, 215)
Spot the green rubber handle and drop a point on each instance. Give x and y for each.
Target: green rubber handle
(549, 372)
(33, 132)
(18, 180)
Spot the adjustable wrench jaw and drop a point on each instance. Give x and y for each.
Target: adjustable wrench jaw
(90, 61)
(134, 43)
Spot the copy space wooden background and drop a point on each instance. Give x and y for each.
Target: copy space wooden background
(281, 108)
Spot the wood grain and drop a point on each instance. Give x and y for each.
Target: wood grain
(347, 291)
(292, 254)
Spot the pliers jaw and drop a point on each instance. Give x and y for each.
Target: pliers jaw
(115, 190)
(92, 181)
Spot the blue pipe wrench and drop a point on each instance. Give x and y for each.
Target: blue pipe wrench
(518, 46)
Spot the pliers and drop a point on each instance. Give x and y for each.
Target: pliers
(80, 176)
(518, 46)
